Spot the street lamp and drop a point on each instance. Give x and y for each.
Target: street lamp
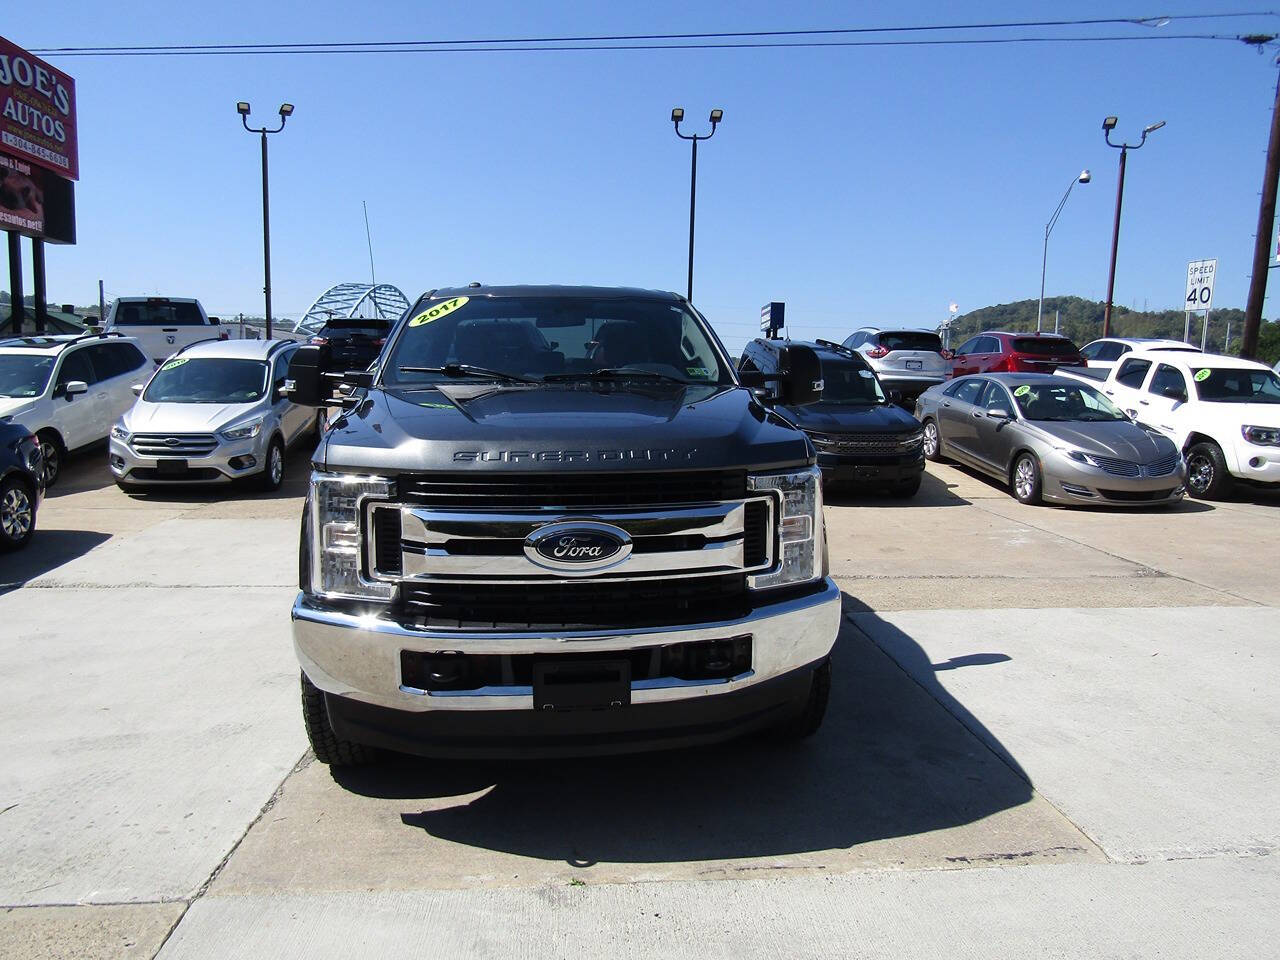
(677, 115)
(1048, 228)
(1108, 125)
(286, 111)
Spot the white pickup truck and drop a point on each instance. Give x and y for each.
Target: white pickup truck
(162, 325)
(1223, 412)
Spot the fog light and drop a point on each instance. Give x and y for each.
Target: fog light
(243, 463)
(1256, 462)
(117, 462)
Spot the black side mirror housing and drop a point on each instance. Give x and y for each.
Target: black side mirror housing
(801, 376)
(1175, 393)
(309, 388)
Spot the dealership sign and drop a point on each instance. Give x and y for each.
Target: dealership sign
(37, 112)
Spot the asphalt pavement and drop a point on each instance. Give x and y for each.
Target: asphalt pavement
(1052, 732)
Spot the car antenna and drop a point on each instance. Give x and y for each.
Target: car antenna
(373, 280)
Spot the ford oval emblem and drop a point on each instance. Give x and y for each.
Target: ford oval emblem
(577, 547)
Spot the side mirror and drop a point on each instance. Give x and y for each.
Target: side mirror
(215, 321)
(137, 389)
(801, 376)
(1175, 393)
(996, 413)
(751, 379)
(76, 387)
(306, 385)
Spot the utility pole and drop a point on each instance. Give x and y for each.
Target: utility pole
(1266, 217)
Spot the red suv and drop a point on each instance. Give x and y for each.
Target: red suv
(996, 351)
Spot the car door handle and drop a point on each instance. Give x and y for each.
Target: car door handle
(1145, 403)
(946, 403)
(977, 414)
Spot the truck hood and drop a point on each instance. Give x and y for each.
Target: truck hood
(1235, 415)
(1121, 439)
(581, 427)
(851, 418)
(146, 417)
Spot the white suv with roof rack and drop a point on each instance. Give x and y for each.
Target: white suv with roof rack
(68, 390)
(908, 361)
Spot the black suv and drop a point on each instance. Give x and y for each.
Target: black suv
(863, 438)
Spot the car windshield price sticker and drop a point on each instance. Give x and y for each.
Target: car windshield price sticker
(1022, 391)
(1202, 375)
(175, 363)
(438, 311)
(1200, 275)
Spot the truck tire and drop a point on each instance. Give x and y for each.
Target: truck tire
(53, 452)
(328, 747)
(17, 513)
(1207, 474)
(807, 721)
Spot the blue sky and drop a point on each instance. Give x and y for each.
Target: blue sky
(858, 185)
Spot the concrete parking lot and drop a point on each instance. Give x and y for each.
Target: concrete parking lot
(1052, 733)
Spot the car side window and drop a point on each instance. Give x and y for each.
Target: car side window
(131, 358)
(280, 367)
(1132, 372)
(75, 366)
(996, 398)
(1090, 351)
(1168, 382)
(968, 346)
(108, 361)
(988, 345)
(969, 389)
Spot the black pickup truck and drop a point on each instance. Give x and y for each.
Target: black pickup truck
(555, 520)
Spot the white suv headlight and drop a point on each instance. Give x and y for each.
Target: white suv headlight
(336, 503)
(798, 506)
(243, 431)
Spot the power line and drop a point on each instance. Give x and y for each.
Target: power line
(612, 42)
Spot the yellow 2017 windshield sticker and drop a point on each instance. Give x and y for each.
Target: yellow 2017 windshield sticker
(438, 311)
(1022, 391)
(175, 363)
(1203, 375)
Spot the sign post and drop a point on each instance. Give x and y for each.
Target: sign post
(1199, 296)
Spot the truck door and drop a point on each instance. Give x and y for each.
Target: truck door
(1164, 396)
(1124, 388)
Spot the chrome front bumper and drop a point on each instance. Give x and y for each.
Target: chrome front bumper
(358, 657)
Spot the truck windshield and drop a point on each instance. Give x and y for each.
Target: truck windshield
(157, 313)
(1061, 402)
(24, 376)
(557, 338)
(849, 383)
(1228, 385)
(208, 380)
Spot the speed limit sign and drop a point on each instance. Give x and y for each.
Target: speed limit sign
(1200, 275)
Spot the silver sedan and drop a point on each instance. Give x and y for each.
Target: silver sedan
(1050, 438)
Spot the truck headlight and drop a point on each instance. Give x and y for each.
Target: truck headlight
(337, 561)
(798, 502)
(1264, 436)
(243, 431)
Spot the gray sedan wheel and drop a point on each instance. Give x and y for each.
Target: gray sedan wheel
(1027, 482)
(932, 441)
(17, 514)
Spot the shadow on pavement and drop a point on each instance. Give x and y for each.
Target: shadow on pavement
(934, 492)
(82, 471)
(896, 757)
(47, 550)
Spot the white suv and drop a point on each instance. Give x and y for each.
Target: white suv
(908, 361)
(68, 390)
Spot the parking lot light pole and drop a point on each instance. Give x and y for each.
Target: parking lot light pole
(1108, 125)
(286, 111)
(1048, 228)
(676, 116)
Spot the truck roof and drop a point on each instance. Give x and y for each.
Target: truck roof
(1196, 360)
(554, 290)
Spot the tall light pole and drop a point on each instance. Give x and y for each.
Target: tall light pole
(1048, 228)
(676, 116)
(286, 111)
(1108, 125)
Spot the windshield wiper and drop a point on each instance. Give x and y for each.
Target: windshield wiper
(467, 370)
(615, 373)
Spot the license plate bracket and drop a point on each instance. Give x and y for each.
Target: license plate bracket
(171, 468)
(915, 364)
(582, 685)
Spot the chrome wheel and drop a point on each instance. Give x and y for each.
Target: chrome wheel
(1199, 472)
(930, 439)
(1024, 478)
(275, 463)
(52, 463)
(16, 514)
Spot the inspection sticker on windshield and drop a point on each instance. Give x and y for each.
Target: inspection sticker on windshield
(702, 372)
(1022, 391)
(1202, 375)
(175, 363)
(438, 311)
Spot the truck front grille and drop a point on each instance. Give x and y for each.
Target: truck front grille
(576, 604)
(622, 488)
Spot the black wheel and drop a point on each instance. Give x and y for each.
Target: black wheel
(17, 514)
(272, 474)
(1207, 475)
(807, 722)
(52, 452)
(905, 489)
(325, 744)
(1028, 482)
(932, 441)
